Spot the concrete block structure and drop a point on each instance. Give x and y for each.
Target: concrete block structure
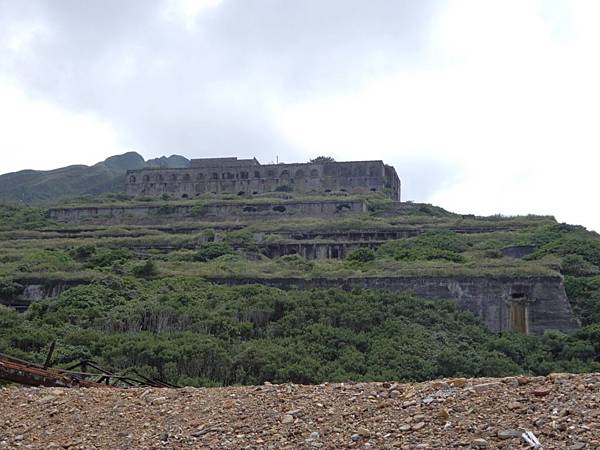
(247, 177)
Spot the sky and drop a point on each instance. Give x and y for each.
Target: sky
(483, 106)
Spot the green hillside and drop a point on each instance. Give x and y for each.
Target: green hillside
(45, 186)
(144, 300)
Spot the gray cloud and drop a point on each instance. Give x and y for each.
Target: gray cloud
(208, 90)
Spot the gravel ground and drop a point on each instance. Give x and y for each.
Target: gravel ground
(563, 411)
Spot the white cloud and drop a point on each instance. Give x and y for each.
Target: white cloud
(504, 98)
(39, 135)
(483, 106)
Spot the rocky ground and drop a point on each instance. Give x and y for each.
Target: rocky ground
(563, 411)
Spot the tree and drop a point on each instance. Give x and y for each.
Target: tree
(322, 159)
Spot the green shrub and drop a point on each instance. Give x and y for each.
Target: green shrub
(145, 270)
(578, 266)
(8, 287)
(429, 246)
(83, 252)
(198, 210)
(107, 257)
(211, 250)
(362, 255)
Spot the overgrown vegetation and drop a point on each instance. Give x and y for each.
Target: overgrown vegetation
(191, 332)
(146, 305)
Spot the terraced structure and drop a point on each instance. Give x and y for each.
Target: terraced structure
(292, 241)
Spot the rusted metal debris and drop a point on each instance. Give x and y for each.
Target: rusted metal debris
(24, 372)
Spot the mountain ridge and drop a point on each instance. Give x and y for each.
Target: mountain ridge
(37, 187)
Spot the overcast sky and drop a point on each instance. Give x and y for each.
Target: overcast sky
(482, 106)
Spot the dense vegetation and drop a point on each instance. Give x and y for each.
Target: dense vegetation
(145, 304)
(192, 332)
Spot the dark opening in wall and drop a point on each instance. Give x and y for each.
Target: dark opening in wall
(146, 178)
(241, 193)
(342, 207)
(254, 192)
(327, 190)
(279, 208)
(249, 209)
(132, 179)
(373, 189)
(335, 253)
(517, 295)
(256, 174)
(184, 196)
(215, 176)
(518, 317)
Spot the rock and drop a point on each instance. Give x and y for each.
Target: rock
(541, 391)
(443, 413)
(513, 405)
(509, 434)
(484, 386)
(158, 400)
(287, 418)
(355, 437)
(578, 446)
(394, 394)
(364, 432)
(417, 426)
(458, 382)
(479, 443)
(314, 436)
(295, 412)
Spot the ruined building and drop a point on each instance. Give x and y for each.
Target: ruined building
(247, 177)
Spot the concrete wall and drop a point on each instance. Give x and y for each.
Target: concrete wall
(210, 211)
(544, 298)
(33, 290)
(248, 177)
(490, 298)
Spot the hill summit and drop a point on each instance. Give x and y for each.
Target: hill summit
(43, 186)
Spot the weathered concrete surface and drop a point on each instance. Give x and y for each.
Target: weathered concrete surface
(209, 211)
(33, 290)
(544, 298)
(493, 299)
(246, 177)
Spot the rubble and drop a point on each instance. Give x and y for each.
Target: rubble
(448, 414)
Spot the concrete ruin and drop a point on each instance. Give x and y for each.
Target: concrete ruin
(246, 177)
(529, 305)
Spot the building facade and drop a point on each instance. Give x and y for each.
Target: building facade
(246, 177)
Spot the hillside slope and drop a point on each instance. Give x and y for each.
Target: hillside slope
(43, 186)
